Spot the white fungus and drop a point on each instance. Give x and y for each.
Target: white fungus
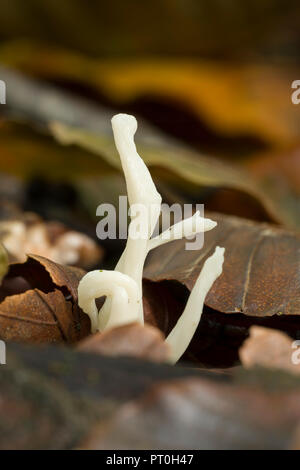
(123, 286)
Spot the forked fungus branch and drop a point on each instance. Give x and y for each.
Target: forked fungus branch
(123, 286)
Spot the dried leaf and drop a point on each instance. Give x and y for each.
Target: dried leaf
(200, 414)
(260, 274)
(135, 340)
(69, 392)
(259, 285)
(50, 396)
(295, 444)
(39, 303)
(268, 348)
(38, 413)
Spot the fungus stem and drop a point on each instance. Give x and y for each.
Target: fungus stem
(184, 228)
(184, 330)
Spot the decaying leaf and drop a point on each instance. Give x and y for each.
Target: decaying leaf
(269, 348)
(135, 340)
(75, 402)
(200, 414)
(51, 396)
(39, 303)
(38, 413)
(259, 285)
(51, 240)
(295, 444)
(260, 274)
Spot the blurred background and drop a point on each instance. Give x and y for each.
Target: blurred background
(210, 82)
(261, 30)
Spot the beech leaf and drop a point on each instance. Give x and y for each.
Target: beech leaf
(39, 303)
(260, 274)
(197, 413)
(62, 398)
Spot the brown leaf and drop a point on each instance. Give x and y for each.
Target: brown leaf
(259, 285)
(39, 303)
(161, 307)
(38, 412)
(63, 392)
(136, 340)
(268, 348)
(51, 240)
(197, 413)
(295, 444)
(260, 273)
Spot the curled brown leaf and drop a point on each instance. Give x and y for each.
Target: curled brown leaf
(38, 303)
